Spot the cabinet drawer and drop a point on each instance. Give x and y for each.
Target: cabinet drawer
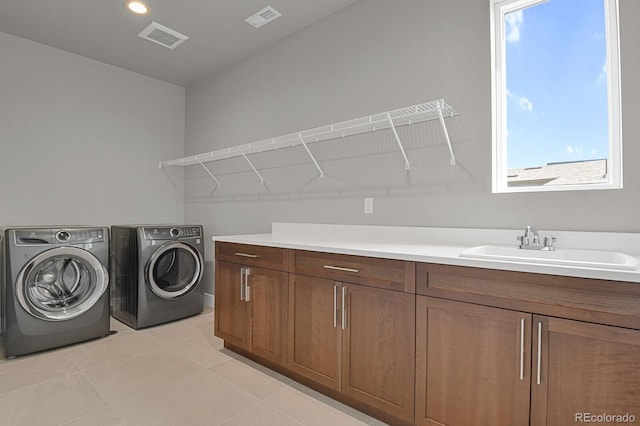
(252, 255)
(391, 274)
(600, 301)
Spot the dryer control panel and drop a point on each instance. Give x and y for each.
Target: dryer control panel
(172, 232)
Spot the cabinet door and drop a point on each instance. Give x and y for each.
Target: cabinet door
(472, 365)
(585, 370)
(267, 297)
(378, 349)
(230, 310)
(314, 332)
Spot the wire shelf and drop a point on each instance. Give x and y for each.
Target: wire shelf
(434, 110)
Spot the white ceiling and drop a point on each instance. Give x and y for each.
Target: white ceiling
(104, 30)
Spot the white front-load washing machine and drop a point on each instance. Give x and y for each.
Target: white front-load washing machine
(156, 273)
(54, 283)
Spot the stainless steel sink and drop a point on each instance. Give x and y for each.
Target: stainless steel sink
(559, 257)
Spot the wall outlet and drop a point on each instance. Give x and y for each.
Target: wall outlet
(368, 205)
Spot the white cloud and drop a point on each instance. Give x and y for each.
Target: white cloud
(522, 101)
(525, 104)
(575, 149)
(513, 21)
(602, 75)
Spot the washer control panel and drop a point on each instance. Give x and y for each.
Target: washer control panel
(171, 232)
(59, 236)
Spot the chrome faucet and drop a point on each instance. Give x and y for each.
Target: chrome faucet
(530, 240)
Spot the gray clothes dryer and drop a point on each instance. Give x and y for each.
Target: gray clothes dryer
(156, 273)
(54, 283)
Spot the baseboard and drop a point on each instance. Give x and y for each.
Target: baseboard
(209, 300)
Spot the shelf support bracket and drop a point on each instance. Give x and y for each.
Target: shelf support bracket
(310, 155)
(210, 174)
(395, 135)
(254, 169)
(452, 160)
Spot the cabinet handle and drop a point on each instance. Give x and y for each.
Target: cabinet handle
(253, 256)
(522, 349)
(344, 309)
(247, 289)
(335, 306)
(539, 350)
(340, 268)
(242, 284)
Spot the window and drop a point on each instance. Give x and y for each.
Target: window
(555, 95)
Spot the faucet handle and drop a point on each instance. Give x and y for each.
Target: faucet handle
(548, 243)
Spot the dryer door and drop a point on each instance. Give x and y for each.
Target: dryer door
(61, 283)
(174, 270)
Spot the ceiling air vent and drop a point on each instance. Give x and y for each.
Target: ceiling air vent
(163, 36)
(262, 17)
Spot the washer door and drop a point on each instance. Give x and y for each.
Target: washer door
(61, 283)
(174, 270)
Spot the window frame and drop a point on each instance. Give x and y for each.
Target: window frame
(499, 8)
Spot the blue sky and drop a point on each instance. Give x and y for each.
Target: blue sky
(556, 83)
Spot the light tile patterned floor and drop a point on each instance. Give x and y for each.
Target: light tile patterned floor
(175, 374)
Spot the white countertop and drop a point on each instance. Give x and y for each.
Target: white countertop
(441, 245)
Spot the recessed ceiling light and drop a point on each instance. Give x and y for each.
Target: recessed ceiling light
(137, 6)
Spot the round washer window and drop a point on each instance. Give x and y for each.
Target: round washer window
(61, 283)
(174, 270)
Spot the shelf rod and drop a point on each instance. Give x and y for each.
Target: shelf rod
(395, 134)
(452, 161)
(310, 155)
(210, 174)
(254, 169)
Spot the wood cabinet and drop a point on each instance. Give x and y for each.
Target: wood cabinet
(314, 329)
(390, 274)
(378, 349)
(585, 370)
(354, 338)
(251, 305)
(473, 364)
(599, 301)
(473, 347)
(250, 255)
(482, 365)
(230, 311)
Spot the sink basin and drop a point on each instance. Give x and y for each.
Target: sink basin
(559, 257)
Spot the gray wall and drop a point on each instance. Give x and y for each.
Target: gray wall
(80, 140)
(375, 56)
(371, 57)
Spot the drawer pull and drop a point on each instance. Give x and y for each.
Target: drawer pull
(335, 306)
(539, 350)
(522, 349)
(242, 284)
(340, 268)
(252, 256)
(247, 289)
(344, 309)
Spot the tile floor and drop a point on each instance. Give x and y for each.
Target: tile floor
(174, 374)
